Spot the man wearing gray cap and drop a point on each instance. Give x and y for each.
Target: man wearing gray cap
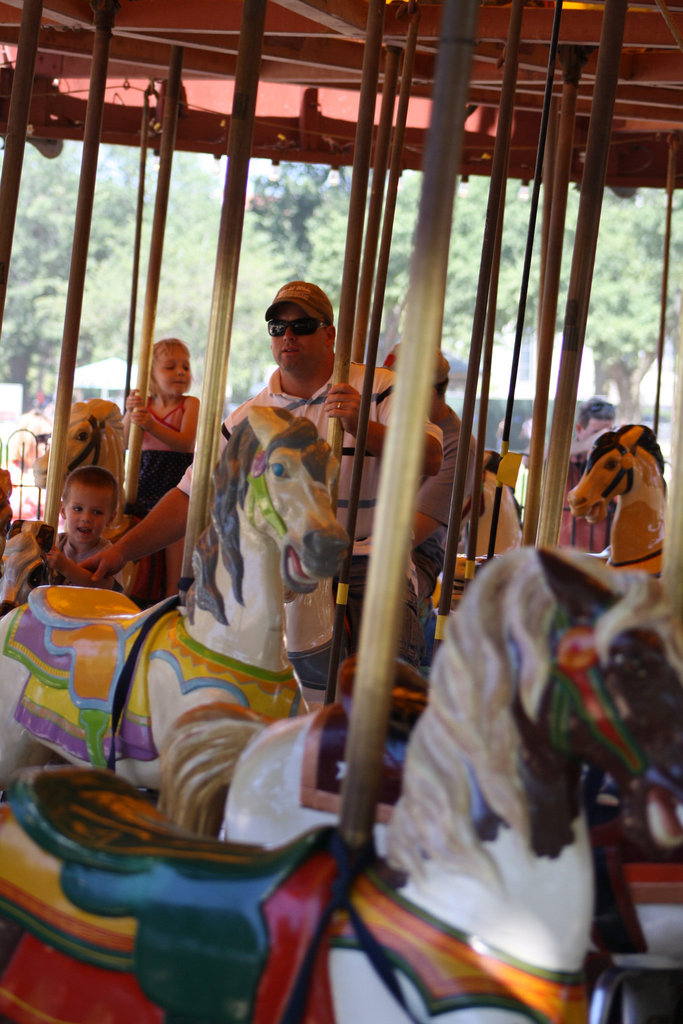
(301, 327)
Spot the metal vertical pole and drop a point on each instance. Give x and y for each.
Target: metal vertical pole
(404, 448)
(357, 201)
(573, 59)
(15, 138)
(168, 135)
(499, 167)
(578, 297)
(227, 265)
(105, 11)
(670, 185)
(379, 172)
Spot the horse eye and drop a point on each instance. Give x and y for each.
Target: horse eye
(278, 469)
(36, 577)
(82, 435)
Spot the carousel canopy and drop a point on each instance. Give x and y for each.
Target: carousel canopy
(311, 74)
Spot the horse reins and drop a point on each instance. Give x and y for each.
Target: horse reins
(93, 445)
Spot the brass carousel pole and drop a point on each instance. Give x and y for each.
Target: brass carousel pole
(171, 101)
(670, 186)
(379, 171)
(105, 11)
(156, 249)
(357, 201)
(498, 173)
(240, 138)
(139, 210)
(578, 297)
(672, 558)
(15, 137)
(371, 357)
(403, 452)
(572, 59)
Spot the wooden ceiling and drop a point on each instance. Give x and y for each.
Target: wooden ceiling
(311, 73)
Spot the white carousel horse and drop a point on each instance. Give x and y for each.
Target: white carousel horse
(24, 562)
(65, 656)
(626, 464)
(481, 913)
(95, 438)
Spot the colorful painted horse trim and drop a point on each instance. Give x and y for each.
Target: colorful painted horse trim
(449, 971)
(69, 695)
(44, 909)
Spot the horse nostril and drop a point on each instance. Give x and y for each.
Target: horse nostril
(325, 545)
(7, 606)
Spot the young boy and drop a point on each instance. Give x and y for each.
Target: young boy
(88, 506)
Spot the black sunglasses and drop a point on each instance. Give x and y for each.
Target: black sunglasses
(305, 325)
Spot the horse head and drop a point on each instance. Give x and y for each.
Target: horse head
(24, 562)
(619, 461)
(95, 438)
(274, 479)
(617, 694)
(551, 662)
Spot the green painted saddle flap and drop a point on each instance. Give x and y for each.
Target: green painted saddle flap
(202, 941)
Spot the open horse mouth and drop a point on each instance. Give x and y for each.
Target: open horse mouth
(592, 513)
(295, 576)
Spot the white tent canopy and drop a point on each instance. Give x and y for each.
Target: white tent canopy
(105, 375)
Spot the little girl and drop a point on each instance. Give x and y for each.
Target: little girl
(169, 422)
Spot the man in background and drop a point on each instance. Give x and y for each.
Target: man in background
(594, 417)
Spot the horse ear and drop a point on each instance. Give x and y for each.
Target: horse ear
(267, 422)
(574, 589)
(45, 536)
(15, 527)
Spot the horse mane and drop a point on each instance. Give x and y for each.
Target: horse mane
(613, 438)
(464, 750)
(231, 483)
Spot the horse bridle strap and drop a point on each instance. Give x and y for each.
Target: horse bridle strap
(348, 867)
(93, 445)
(622, 472)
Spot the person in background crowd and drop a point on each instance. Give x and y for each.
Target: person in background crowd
(301, 328)
(593, 418)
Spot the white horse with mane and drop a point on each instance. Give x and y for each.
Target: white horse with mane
(482, 912)
(68, 656)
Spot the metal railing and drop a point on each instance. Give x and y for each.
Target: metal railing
(19, 453)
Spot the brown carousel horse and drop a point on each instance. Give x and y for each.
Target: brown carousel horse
(626, 464)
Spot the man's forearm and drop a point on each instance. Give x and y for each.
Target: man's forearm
(162, 526)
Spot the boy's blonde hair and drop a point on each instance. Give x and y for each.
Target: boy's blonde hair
(93, 476)
(162, 348)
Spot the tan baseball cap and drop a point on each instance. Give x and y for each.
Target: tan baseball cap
(311, 299)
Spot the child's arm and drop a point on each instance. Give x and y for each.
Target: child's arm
(181, 440)
(74, 573)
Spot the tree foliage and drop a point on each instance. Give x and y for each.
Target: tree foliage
(296, 227)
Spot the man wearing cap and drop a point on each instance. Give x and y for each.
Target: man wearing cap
(301, 328)
(593, 418)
